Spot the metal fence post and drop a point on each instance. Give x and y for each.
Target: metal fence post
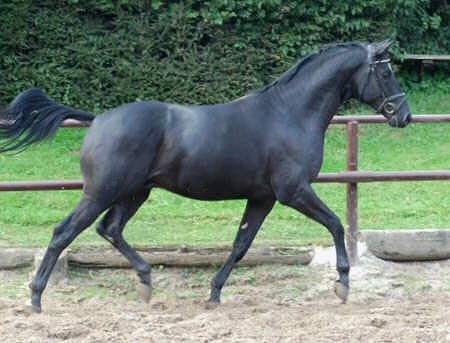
(352, 193)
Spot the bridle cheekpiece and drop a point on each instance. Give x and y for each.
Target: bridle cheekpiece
(389, 105)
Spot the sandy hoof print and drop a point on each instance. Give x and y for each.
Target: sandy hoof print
(341, 291)
(144, 291)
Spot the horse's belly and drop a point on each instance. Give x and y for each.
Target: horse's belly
(213, 181)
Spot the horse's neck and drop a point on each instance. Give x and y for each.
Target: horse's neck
(315, 94)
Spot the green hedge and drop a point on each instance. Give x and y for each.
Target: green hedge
(98, 54)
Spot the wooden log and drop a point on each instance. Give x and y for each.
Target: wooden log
(16, 257)
(105, 257)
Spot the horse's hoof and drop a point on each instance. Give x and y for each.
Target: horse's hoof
(341, 291)
(144, 291)
(29, 307)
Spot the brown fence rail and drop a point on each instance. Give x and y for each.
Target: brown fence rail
(351, 176)
(340, 177)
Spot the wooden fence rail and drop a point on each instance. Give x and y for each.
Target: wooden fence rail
(351, 176)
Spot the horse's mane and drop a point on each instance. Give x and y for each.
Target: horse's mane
(288, 75)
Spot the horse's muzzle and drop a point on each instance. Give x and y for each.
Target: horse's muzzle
(394, 121)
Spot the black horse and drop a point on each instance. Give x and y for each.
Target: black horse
(264, 147)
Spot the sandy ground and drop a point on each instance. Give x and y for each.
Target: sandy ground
(389, 302)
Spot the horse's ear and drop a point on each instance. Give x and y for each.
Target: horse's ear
(378, 48)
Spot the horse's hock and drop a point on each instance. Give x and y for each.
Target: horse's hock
(408, 245)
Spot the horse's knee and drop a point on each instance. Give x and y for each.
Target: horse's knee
(335, 227)
(61, 233)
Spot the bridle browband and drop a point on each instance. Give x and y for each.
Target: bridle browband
(388, 106)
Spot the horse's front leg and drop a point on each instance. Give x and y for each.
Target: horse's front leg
(254, 215)
(305, 200)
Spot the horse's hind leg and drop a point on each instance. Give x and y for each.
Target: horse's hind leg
(64, 233)
(305, 200)
(111, 227)
(254, 215)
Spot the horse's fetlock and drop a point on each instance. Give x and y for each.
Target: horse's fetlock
(215, 285)
(36, 286)
(344, 268)
(144, 269)
(32, 285)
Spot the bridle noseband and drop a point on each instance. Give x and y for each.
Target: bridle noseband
(388, 106)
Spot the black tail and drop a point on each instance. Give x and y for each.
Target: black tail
(32, 117)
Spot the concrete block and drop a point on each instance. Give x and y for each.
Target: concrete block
(408, 245)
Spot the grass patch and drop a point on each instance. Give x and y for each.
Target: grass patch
(28, 218)
(412, 283)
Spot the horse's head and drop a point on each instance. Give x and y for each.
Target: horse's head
(375, 84)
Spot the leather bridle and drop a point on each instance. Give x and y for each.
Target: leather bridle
(389, 106)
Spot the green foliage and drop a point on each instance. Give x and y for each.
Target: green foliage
(422, 26)
(98, 54)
